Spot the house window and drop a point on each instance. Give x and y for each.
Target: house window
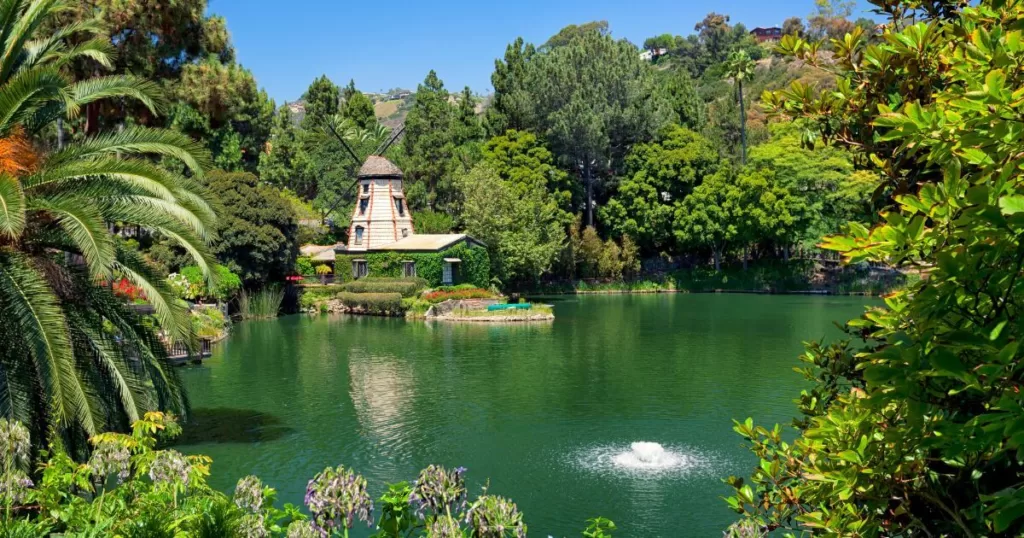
(446, 274)
(359, 235)
(405, 232)
(359, 269)
(363, 204)
(400, 207)
(366, 187)
(409, 269)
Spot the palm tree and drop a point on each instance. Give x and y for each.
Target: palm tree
(74, 360)
(740, 67)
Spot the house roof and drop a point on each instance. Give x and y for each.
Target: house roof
(377, 166)
(428, 242)
(320, 253)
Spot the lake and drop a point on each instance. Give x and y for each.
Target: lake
(545, 413)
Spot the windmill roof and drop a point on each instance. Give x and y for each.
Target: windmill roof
(376, 165)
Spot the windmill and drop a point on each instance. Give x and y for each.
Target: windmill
(332, 128)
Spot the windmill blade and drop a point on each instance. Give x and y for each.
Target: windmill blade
(342, 196)
(391, 140)
(330, 126)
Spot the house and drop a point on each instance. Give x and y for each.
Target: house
(382, 240)
(762, 34)
(649, 55)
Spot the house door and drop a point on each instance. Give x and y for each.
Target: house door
(446, 274)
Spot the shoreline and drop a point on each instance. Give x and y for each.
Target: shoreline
(713, 291)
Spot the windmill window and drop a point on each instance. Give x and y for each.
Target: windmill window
(366, 187)
(363, 204)
(405, 232)
(400, 207)
(359, 235)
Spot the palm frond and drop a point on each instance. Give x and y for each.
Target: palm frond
(170, 312)
(97, 89)
(139, 141)
(23, 94)
(147, 211)
(12, 207)
(25, 25)
(83, 222)
(104, 176)
(29, 304)
(54, 47)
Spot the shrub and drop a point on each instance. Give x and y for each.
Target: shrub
(190, 284)
(439, 296)
(381, 304)
(130, 488)
(407, 287)
(304, 266)
(208, 322)
(265, 303)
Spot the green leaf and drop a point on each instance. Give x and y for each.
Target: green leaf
(12, 207)
(1012, 204)
(947, 362)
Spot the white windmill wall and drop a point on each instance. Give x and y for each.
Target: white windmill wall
(381, 222)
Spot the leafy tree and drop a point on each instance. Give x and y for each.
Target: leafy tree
(831, 19)
(520, 158)
(794, 26)
(432, 222)
(739, 68)
(916, 428)
(512, 106)
(222, 105)
(466, 125)
(659, 176)
(286, 163)
(322, 100)
(595, 98)
(521, 229)
(569, 33)
(684, 99)
(766, 211)
(73, 359)
(358, 107)
(709, 218)
(256, 234)
(657, 43)
(428, 140)
(714, 33)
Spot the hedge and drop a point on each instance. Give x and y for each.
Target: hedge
(408, 287)
(381, 304)
(475, 267)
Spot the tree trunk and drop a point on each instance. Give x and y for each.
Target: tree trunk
(785, 253)
(745, 251)
(588, 177)
(718, 260)
(60, 133)
(743, 124)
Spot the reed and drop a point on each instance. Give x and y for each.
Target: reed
(262, 304)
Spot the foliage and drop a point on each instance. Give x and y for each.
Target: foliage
(432, 222)
(304, 266)
(208, 322)
(358, 107)
(261, 304)
(287, 163)
(442, 295)
(73, 359)
(190, 284)
(407, 287)
(915, 430)
(379, 304)
(512, 105)
(659, 177)
(429, 144)
(475, 267)
(322, 101)
(522, 225)
(256, 234)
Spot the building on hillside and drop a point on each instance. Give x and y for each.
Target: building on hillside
(382, 240)
(762, 34)
(649, 55)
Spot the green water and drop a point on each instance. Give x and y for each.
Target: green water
(540, 410)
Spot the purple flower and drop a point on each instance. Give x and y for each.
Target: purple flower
(444, 527)
(336, 498)
(14, 445)
(439, 491)
(249, 494)
(169, 466)
(495, 517)
(111, 458)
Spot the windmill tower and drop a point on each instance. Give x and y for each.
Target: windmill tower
(381, 215)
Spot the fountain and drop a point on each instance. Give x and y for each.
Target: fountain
(645, 455)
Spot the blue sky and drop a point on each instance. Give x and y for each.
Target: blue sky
(394, 44)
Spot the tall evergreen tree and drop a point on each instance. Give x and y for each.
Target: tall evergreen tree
(322, 101)
(512, 106)
(358, 107)
(428, 138)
